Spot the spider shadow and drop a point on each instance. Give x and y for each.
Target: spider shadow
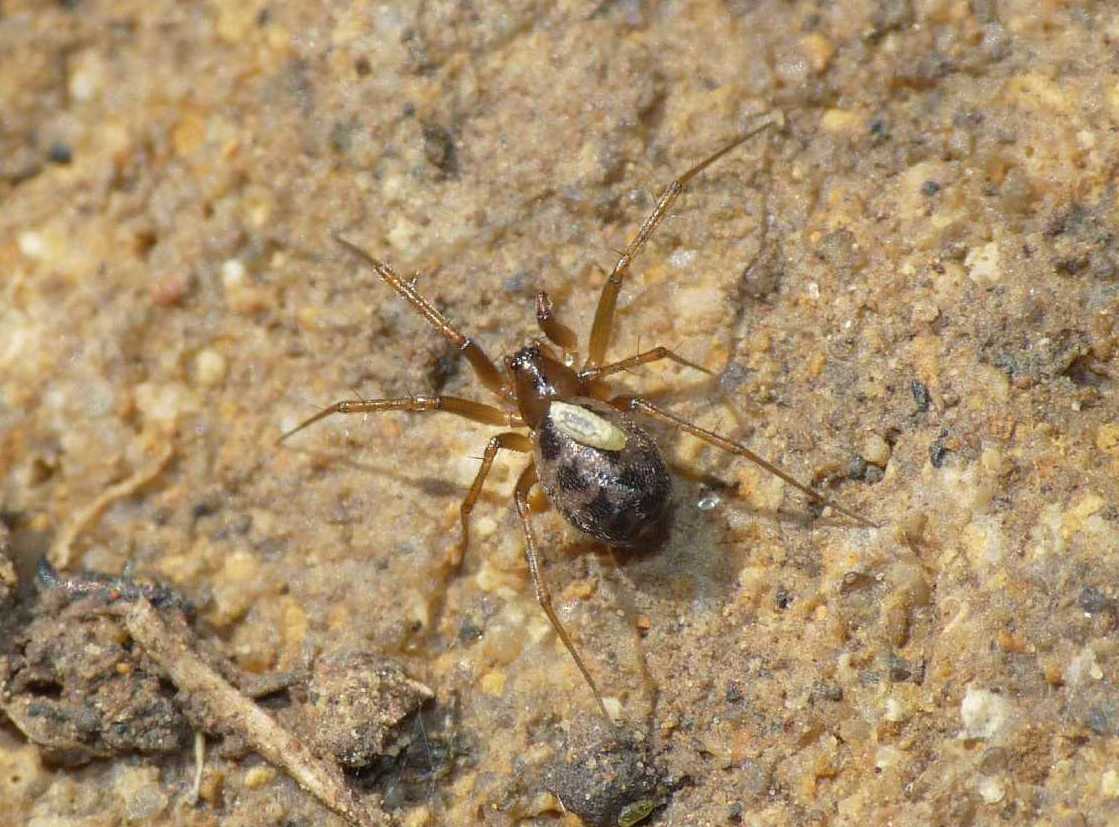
(430, 485)
(691, 558)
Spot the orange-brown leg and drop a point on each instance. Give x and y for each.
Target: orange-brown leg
(543, 597)
(483, 366)
(557, 332)
(466, 408)
(636, 403)
(604, 313)
(510, 441)
(654, 355)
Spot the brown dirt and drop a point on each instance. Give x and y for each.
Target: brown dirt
(909, 294)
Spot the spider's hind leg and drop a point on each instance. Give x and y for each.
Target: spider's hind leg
(525, 482)
(643, 406)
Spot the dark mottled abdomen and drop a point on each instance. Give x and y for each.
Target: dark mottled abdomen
(618, 497)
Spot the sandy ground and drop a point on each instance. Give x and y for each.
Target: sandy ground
(908, 295)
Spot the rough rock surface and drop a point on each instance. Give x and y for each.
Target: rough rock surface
(909, 292)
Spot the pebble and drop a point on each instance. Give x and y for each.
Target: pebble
(87, 76)
(493, 683)
(142, 793)
(991, 790)
(209, 368)
(1107, 438)
(164, 403)
(982, 263)
(1109, 784)
(895, 711)
(22, 775)
(241, 296)
(818, 50)
(876, 450)
(31, 244)
(985, 715)
(842, 121)
(258, 777)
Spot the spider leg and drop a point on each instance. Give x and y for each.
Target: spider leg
(543, 597)
(604, 313)
(510, 441)
(557, 332)
(484, 367)
(636, 403)
(654, 355)
(466, 408)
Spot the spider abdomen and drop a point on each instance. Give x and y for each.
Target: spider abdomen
(618, 495)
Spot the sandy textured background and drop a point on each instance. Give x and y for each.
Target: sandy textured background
(909, 293)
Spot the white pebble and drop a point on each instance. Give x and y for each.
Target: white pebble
(985, 715)
(233, 273)
(209, 367)
(31, 244)
(990, 789)
(982, 263)
(682, 259)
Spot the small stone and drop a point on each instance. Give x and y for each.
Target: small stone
(31, 244)
(258, 777)
(142, 793)
(895, 711)
(165, 403)
(606, 777)
(233, 273)
(22, 774)
(1083, 668)
(87, 76)
(1093, 601)
(982, 263)
(876, 450)
(361, 706)
(991, 790)
(924, 311)
(1109, 784)
(682, 259)
(213, 783)
(241, 296)
(818, 50)
(840, 121)
(418, 817)
(493, 683)
(238, 587)
(985, 715)
(886, 757)
(921, 396)
(9, 580)
(60, 153)
(1107, 438)
(209, 367)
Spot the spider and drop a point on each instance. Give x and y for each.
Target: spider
(600, 469)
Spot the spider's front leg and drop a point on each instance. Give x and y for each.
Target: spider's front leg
(466, 408)
(607, 302)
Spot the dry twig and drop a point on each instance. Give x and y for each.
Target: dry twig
(170, 648)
